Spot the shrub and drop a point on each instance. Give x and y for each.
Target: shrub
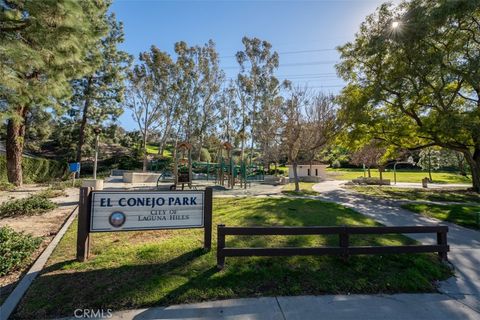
(15, 249)
(129, 163)
(336, 164)
(205, 155)
(6, 186)
(62, 185)
(36, 169)
(51, 193)
(273, 172)
(161, 164)
(27, 206)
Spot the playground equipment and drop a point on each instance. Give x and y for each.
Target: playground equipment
(225, 172)
(182, 167)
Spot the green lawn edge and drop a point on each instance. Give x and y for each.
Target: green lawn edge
(463, 215)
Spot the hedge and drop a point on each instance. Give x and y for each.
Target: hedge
(36, 170)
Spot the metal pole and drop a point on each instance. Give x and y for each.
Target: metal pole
(395, 173)
(96, 158)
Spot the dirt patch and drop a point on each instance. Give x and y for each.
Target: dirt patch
(44, 225)
(21, 192)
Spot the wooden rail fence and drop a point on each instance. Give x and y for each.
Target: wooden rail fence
(343, 249)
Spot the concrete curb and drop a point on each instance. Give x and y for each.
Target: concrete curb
(14, 298)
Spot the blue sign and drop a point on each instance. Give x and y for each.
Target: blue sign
(74, 166)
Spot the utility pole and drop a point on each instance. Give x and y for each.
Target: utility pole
(97, 131)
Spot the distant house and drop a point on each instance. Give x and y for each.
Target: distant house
(313, 171)
(2, 148)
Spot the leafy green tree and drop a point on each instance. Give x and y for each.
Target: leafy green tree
(200, 80)
(229, 119)
(413, 77)
(164, 74)
(454, 159)
(98, 95)
(141, 99)
(43, 45)
(256, 80)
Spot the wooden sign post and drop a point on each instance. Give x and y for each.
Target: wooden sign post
(115, 211)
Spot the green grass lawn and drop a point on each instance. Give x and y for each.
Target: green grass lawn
(305, 189)
(402, 176)
(418, 194)
(153, 149)
(462, 215)
(140, 269)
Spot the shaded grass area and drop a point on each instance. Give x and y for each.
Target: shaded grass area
(141, 269)
(418, 194)
(462, 215)
(305, 189)
(402, 176)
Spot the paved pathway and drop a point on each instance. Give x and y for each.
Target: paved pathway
(464, 243)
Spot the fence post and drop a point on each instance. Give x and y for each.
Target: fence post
(343, 242)
(83, 228)
(442, 241)
(207, 242)
(220, 246)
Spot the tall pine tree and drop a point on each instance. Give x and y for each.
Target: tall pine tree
(98, 95)
(43, 45)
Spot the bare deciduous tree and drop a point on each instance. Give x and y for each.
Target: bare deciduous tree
(310, 123)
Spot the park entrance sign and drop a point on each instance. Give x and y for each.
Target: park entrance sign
(113, 211)
(121, 211)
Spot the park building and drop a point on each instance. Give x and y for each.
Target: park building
(309, 171)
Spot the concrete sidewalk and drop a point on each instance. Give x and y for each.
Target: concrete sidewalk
(354, 307)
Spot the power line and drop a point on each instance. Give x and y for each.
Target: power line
(294, 64)
(291, 52)
(307, 74)
(304, 75)
(320, 87)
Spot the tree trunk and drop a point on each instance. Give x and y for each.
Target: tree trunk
(474, 162)
(163, 139)
(145, 154)
(369, 173)
(295, 176)
(200, 148)
(161, 148)
(14, 147)
(83, 123)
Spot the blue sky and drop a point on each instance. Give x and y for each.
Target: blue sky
(304, 33)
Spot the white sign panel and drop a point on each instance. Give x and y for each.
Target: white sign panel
(146, 210)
